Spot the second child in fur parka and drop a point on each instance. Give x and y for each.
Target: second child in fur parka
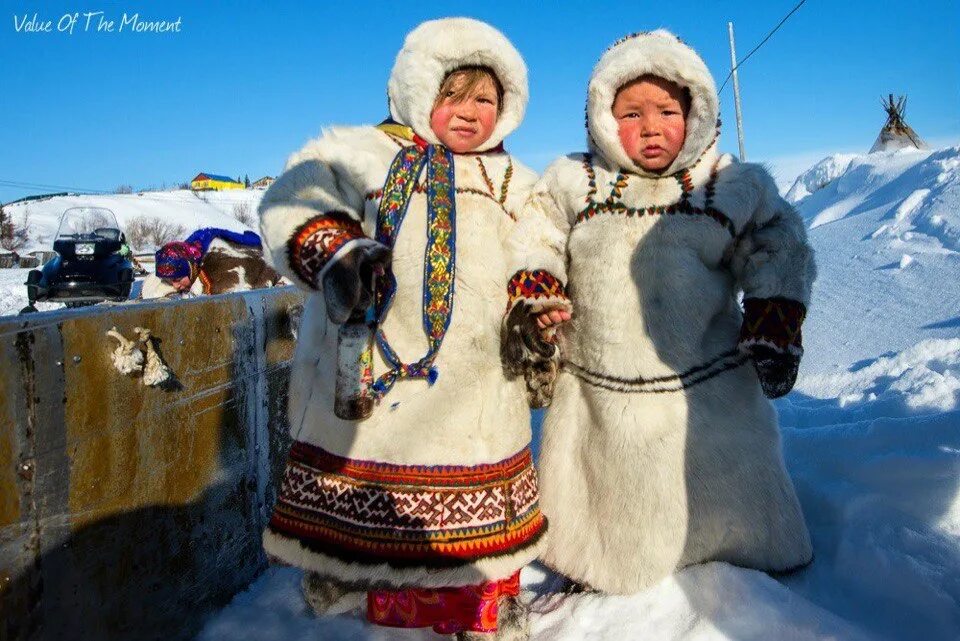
(660, 449)
(430, 503)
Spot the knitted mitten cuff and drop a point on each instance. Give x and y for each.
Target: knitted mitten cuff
(538, 289)
(314, 244)
(774, 323)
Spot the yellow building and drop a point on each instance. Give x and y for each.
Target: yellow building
(212, 181)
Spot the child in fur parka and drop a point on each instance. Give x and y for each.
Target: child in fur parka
(659, 449)
(430, 503)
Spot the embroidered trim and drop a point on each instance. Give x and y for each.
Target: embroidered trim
(485, 176)
(618, 185)
(661, 384)
(315, 242)
(505, 185)
(421, 188)
(439, 257)
(591, 177)
(472, 608)
(535, 285)
(205, 280)
(408, 514)
(775, 322)
(613, 204)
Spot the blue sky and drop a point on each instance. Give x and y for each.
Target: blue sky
(243, 84)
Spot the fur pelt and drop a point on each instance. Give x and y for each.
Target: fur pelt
(648, 464)
(662, 54)
(386, 576)
(227, 267)
(437, 47)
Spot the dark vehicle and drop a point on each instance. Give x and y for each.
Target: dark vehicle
(92, 262)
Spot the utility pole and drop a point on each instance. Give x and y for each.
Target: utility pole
(736, 92)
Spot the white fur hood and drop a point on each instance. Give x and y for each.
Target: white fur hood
(662, 54)
(437, 47)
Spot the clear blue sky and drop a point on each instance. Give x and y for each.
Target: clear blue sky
(246, 83)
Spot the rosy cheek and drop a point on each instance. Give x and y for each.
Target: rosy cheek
(679, 133)
(488, 118)
(628, 137)
(439, 119)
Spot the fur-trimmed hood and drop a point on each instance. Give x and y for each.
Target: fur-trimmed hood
(662, 54)
(437, 47)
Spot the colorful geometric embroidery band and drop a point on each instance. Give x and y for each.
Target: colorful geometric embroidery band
(439, 516)
(439, 255)
(775, 322)
(315, 242)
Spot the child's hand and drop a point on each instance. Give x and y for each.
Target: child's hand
(552, 318)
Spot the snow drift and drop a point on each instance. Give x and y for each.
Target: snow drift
(871, 438)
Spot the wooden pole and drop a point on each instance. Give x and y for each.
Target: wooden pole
(736, 92)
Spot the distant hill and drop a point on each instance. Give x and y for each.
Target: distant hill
(189, 209)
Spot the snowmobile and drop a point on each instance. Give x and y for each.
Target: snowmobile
(90, 266)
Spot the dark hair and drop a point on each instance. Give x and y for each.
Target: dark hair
(471, 77)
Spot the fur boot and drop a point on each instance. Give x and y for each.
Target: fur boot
(321, 593)
(513, 623)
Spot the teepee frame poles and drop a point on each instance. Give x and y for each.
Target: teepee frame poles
(896, 125)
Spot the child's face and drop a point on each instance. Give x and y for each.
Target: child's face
(463, 126)
(179, 284)
(651, 113)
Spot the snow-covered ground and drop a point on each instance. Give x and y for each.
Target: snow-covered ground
(871, 438)
(183, 207)
(13, 292)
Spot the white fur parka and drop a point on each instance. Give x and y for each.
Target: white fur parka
(472, 415)
(659, 449)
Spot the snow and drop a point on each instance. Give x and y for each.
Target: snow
(871, 437)
(704, 603)
(189, 209)
(183, 207)
(13, 293)
(818, 176)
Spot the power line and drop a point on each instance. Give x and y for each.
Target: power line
(41, 186)
(762, 42)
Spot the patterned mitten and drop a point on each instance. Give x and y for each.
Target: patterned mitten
(348, 282)
(771, 335)
(526, 349)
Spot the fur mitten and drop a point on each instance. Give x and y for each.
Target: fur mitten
(348, 282)
(771, 336)
(526, 351)
(776, 370)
